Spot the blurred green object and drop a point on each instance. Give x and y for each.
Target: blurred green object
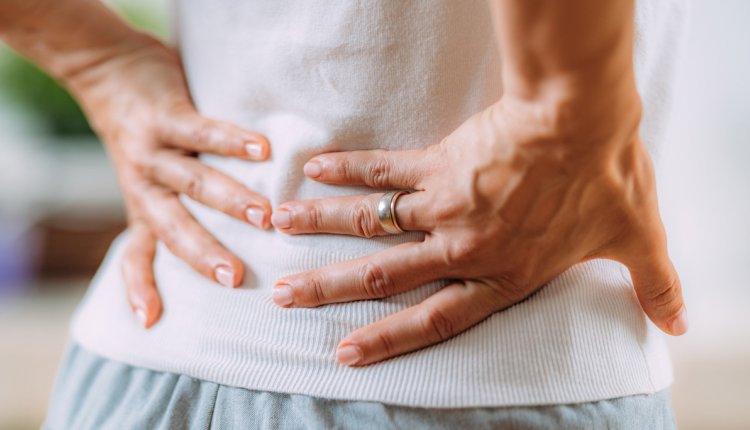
(53, 108)
(32, 90)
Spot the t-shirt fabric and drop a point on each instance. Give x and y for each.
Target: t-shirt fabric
(317, 76)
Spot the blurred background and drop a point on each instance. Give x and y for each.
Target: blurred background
(60, 208)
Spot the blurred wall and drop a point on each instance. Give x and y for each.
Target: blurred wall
(705, 200)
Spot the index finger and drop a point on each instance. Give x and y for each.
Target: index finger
(375, 168)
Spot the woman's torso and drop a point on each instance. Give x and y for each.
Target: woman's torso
(318, 76)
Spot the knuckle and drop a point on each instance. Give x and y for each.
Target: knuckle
(139, 164)
(507, 292)
(453, 256)
(315, 217)
(436, 325)
(131, 156)
(318, 294)
(171, 232)
(433, 160)
(363, 220)
(168, 234)
(667, 296)
(201, 134)
(342, 167)
(460, 252)
(449, 208)
(378, 173)
(136, 200)
(386, 344)
(375, 282)
(193, 185)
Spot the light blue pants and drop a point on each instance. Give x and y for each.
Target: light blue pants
(93, 392)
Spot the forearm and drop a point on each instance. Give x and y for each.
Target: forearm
(572, 57)
(67, 37)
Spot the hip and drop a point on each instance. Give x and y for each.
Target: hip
(92, 391)
(582, 338)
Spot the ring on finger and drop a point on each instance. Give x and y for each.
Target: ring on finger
(387, 212)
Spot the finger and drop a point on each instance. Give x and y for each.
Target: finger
(186, 239)
(383, 274)
(187, 129)
(441, 316)
(659, 291)
(654, 277)
(353, 215)
(189, 176)
(375, 168)
(645, 253)
(138, 273)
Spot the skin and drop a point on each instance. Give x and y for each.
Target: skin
(134, 93)
(553, 174)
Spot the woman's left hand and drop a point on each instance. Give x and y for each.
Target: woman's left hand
(508, 201)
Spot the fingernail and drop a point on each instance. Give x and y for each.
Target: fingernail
(141, 315)
(255, 215)
(281, 219)
(679, 324)
(254, 150)
(312, 169)
(283, 296)
(225, 276)
(349, 355)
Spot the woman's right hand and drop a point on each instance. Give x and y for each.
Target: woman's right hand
(138, 102)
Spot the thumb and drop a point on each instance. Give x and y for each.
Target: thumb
(659, 291)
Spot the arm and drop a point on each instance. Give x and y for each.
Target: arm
(573, 62)
(551, 175)
(562, 49)
(134, 94)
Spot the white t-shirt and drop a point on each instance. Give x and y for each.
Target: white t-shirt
(316, 76)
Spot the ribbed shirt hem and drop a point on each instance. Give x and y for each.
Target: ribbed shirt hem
(582, 338)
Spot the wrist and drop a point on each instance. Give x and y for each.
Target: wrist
(129, 86)
(99, 68)
(71, 40)
(576, 114)
(64, 37)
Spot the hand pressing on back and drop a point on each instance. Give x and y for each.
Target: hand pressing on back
(508, 201)
(551, 175)
(139, 104)
(134, 93)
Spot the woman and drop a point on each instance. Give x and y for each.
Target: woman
(505, 301)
